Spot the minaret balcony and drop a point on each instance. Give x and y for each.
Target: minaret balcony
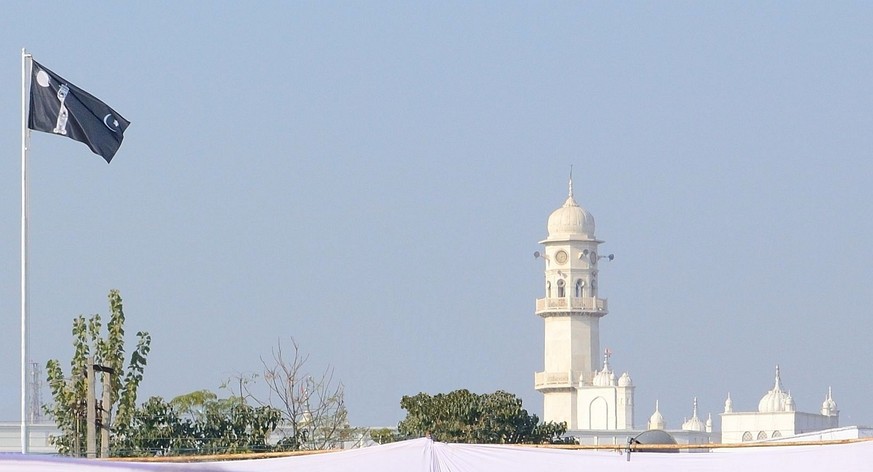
(556, 380)
(591, 306)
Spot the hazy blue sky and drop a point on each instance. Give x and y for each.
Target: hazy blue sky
(372, 178)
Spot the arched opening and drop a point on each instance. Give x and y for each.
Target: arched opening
(747, 436)
(598, 412)
(579, 285)
(762, 435)
(548, 290)
(561, 293)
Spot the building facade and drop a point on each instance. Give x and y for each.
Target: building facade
(576, 388)
(578, 383)
(776, 417)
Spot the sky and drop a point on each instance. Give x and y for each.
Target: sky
(371, 179)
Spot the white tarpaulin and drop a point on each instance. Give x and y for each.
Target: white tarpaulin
(428, 456)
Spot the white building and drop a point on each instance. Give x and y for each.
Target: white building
(575, 391)
(598, 406)
(776, 417)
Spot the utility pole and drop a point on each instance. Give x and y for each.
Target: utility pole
(106, 406)
(105, 411)
(91, 416)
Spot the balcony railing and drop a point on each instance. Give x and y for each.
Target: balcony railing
(588, 304)
(555, 379)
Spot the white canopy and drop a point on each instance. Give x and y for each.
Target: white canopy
(428, 456)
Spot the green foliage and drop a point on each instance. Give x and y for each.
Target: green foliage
(384, 435)
(68, 393)
(156, 428)
(465, 417)
(198, 423)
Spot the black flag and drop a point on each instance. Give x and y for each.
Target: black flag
(59, 107)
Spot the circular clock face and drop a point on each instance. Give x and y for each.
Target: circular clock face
(561, 257)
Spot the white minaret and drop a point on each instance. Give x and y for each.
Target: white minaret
(571, 310)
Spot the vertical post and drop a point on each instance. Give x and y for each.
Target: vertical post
(25, 439)
(107, 414)
(91, 418)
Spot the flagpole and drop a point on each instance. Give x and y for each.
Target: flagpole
(25, 134)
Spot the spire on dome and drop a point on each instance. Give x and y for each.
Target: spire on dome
(605, 377)
(571, 181)
(656, 421)
(694, 424)
(829, 406)
(778, 386)
(776, 399)
(728, 404)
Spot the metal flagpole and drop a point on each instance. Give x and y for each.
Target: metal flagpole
(25, 135)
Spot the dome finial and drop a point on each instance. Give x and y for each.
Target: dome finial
(778, 387)
(571, 181)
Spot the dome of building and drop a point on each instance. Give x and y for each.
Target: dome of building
(653, 436)
(604, 378)
(829, 406)
(571, 220)
(776, 400)
(656, 421)
(625, 380)
(694, 424)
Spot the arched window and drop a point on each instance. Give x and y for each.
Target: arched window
(548, 290)
(561, 288)
(593, 286)
(776, 434)
(762, 435)
(579, 285)
(747, 436)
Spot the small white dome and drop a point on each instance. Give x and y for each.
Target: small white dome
(656, 421)
(776, 400)
(829, 406)
(571, 221)
(694, 424)
(604, 378)
(625, 380)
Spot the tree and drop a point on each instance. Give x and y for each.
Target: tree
(156, 429)
(465, 417)
(384, 435)
(314, 414)
(199, 423)
(68, 393)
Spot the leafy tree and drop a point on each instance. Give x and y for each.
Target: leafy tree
(156, 428)
(384, 435)
(199, 423)
(68, 393)
(465, 417)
